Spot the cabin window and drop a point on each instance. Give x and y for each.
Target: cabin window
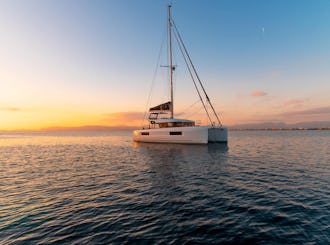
(184, 124)
(175, 133)
(163, 125)
(189, 124)
(145, 133)
(178, 124)
(153, 116)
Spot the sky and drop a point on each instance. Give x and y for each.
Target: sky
(77, 63)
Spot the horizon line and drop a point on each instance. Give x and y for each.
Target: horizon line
(245, 126)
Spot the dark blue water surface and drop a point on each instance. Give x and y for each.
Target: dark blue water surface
(264, 187)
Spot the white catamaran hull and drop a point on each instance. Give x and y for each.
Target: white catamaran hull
(185, 135)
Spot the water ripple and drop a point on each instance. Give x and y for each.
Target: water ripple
(263, 188)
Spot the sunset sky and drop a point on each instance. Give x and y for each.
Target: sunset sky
(76, 63)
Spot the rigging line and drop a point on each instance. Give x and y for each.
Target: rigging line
(193, 67)
(187, 108)
(153, 78)
(195, 112)
(191, 75)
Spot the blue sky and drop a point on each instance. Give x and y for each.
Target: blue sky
(259, 60)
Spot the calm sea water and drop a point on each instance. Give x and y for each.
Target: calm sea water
(264, 187)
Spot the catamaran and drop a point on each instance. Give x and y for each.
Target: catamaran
(163, 126)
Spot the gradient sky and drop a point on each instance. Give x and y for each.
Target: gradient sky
(74, 63)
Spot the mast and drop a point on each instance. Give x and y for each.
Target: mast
(170, 57)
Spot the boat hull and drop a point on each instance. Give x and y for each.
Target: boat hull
(217, 134)
(182, 135)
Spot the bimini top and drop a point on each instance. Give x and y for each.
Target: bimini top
(159, 117)
(162, 107)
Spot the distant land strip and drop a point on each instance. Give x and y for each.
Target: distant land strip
(275, 129)
(320, 125)
(311, 125)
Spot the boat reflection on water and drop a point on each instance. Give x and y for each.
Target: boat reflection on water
(183, 156)
(184, 148)
(185, 169)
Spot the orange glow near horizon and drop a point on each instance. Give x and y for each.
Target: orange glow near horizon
(36, 120)
(14, 119)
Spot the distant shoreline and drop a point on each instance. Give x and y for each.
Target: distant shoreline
(130, 129)
(266, 126)
(276, 129)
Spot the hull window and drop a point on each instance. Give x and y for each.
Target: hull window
(175, 133)
(145, 133)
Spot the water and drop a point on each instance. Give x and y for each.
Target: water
(264, 187)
